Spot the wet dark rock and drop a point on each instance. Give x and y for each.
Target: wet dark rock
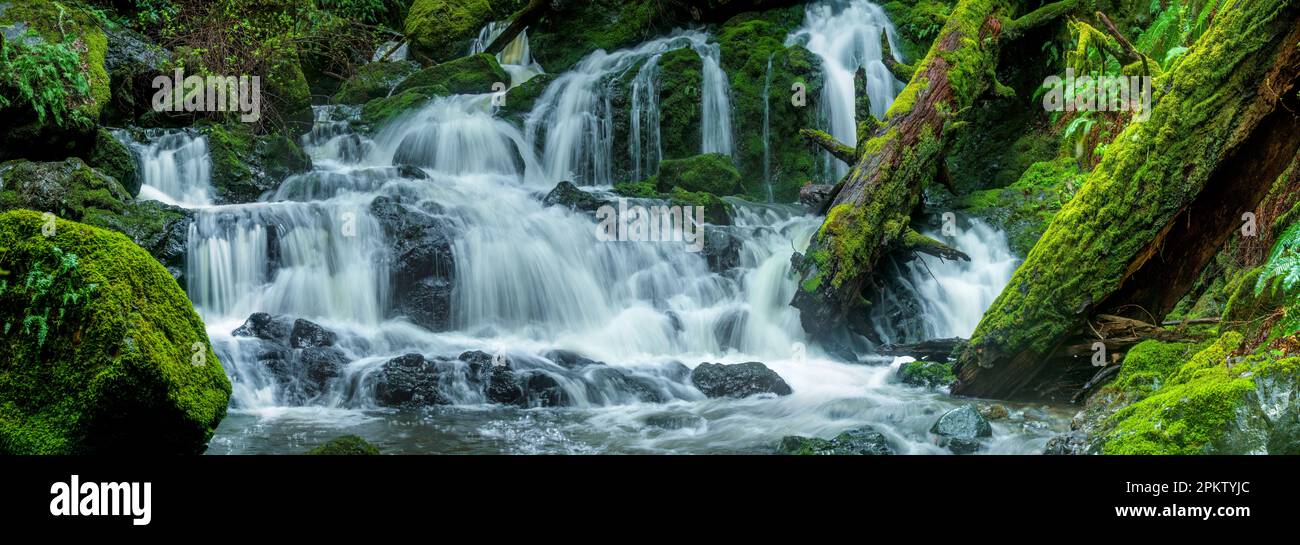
(569, 196)
(411, 172)
(1072, 443)
(266, 327)
(409, 381)
(542, 390)
(816, 196)
(503, 388)
(320, 364)
(861, 441)
(960, 429)
(423, 265)
(722, 248)
(570, 360)
(307, 334)
(738, 380)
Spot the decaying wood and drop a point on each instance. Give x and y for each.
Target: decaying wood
(901, 71)
(837, 149)
(521, 21)
(928, 350)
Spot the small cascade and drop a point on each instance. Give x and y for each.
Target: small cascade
(574, 121)
(175, 167)
(846, 36)
(644, 145)
(516, 57)
(390, 51)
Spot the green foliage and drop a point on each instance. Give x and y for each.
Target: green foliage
(374, 80)
(711, 173)
(45, 75)
(55, 293)
(926, 374)
(1283, 265)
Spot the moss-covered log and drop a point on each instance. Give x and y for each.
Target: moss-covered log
(837, 149)
(871, 214)
(1166, 196)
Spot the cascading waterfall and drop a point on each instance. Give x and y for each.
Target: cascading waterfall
(175, 167)
(846, 36)
(528, 280)
(516, 57)
(644, 145)
(573, 119)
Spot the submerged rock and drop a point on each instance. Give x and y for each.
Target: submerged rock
(348, 445)
(307, 334)
(738, 380)
(266, 327)
(103, 352)
(409, 381)
(861, 441)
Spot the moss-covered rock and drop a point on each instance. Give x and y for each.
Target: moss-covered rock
(244, 165)
(443, 29)
(161, 229)
(53, 84)
(286, 87)
(68, 189)
(862, 441)
(522, 98)
(374, 80)
(710, 172)
(102, 351)
(926, 374)
(716, 210)
(112, 157)
(1025, 208)
(347, 445)
(475, 74)
(681, 79)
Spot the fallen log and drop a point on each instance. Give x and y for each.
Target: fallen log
(837, 149)
(1167, 194)
(929, 350)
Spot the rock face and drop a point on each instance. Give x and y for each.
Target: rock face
(960, 429)
(113, 158)
(69, 189)
(104, 354)
(374, 80)
(422, 262)
(861, 441)
(244, 165)
(738, 380)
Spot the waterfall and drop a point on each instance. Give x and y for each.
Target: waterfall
(946, 298)
(767, 130)
(846, 36)
(175, 167)
(516, 57)
(716, 117)
(573, 121)
(531, 283)
(644, 146)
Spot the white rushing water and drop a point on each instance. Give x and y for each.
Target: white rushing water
(527, 280)
(573, 121)
(175, 167)
(846, 36)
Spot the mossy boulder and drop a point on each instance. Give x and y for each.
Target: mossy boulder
(1214, 403)
(132, 61)
(245, 165)
(522, 98)
(926, 374)
(68, 188)
(374, 80)
(110, 156)
(1025, 208)
(443, 29)
(102, 351)
(288, 93)
(475, 74)
(710, 172)
(348, 445)
(161, 229)
(53, 84)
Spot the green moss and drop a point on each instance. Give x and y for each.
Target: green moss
(1026, 207)
(245, 165)
(716, 210)
(288, 91)
(520, 99)
(1149, 364)
(474, 74)
(643, 190)
(926, 374)
(681, 79)
(374, 80)
(67, 189)
(576, 29)
(443, 29)
(918, 22)
(127, 368)
(113, 158)
(1151, 172)
(347, 445)
(711, 173)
